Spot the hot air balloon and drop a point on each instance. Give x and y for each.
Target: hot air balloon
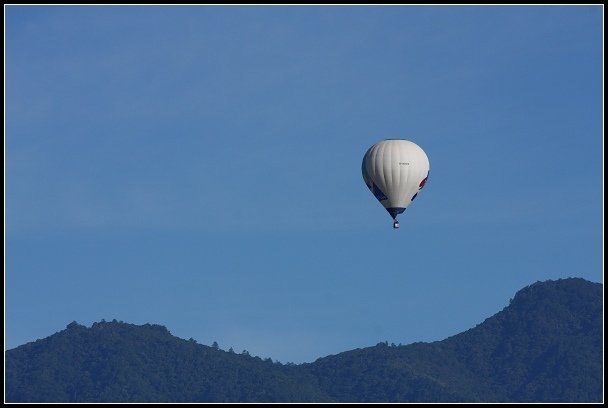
(395, 170)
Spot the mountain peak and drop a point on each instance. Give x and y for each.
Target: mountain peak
(564, 285)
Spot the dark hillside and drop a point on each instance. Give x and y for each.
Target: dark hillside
(545, 346)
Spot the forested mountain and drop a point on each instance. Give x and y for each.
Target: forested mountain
(547, 345)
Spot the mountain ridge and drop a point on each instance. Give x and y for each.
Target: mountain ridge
(545, 346)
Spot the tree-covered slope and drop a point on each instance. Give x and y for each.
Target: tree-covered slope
(545, 346)
(114, 361)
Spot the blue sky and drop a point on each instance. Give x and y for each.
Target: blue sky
(199, 167)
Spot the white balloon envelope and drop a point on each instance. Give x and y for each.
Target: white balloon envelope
(395, 170)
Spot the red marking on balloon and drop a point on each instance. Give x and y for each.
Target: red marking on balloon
(423, 182)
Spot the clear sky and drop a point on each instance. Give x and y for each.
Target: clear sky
(199, 167)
